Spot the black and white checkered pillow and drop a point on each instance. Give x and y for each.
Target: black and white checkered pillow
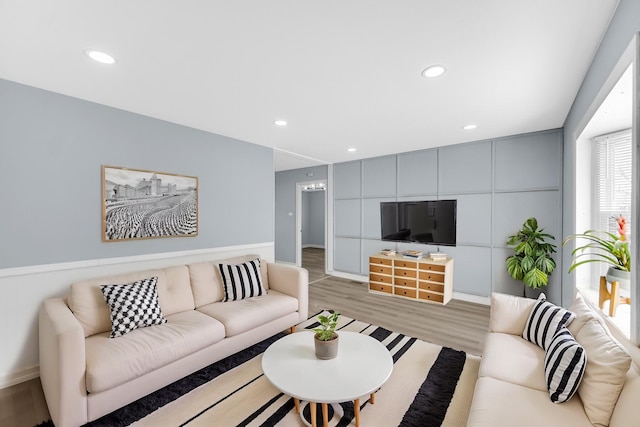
(134, 305)
(241, 281)
(564, 364)
(544, 321)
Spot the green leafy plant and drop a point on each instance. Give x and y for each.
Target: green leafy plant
(602, 246)
(531, 262)
(327, 326)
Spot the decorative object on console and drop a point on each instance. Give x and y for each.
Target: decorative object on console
(241, 281)
(325, 338)
(141, 204)
(531, 262)
(134, 305)
(544, 321)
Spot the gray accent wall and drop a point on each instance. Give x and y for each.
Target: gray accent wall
(285, 209)
(498, 185)
(313, 219)
(53, 146)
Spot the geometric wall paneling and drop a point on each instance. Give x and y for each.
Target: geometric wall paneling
(379, 177)
(347, 218)
(418, 173)
(471, 269)
(464, 168)
(473, 219)
(346, 256)
(529, 162)
(346, 180)
(371, 217)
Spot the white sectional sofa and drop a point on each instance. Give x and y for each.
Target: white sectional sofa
(86, 374)
(512, 391)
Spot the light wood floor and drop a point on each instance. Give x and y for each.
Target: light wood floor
(460, 325)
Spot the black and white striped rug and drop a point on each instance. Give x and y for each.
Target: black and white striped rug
(430, 386)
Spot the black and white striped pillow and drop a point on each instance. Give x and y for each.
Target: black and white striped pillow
(241, 281)
(544, 321)
(564, 364)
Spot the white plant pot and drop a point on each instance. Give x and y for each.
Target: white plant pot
(622, 277)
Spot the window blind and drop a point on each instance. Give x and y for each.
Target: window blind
(612, 180)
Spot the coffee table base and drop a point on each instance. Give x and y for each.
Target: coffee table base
(325, 410)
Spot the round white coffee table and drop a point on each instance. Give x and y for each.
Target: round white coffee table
(362, 366)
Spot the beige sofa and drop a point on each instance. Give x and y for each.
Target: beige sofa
(511, 389)
(85, 374)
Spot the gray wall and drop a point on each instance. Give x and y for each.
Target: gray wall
(624, 24)
(313, 218)
(285, 209)
(497, 189)
(52, 149)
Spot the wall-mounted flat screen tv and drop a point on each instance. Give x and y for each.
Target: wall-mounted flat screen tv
(431, 222)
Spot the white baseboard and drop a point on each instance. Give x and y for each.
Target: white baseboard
(19, 376)
(349, 276)
(472, 298)
(313, 246)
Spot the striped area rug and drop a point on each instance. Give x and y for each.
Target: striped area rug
(430, 386)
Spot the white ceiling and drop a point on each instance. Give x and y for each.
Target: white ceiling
(343, 73)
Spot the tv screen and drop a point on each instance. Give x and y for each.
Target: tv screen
(431, 222)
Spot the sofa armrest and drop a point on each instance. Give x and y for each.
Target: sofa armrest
(509, 313)
(291, 280)
(62, 364)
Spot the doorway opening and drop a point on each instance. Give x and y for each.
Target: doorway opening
(311, 228)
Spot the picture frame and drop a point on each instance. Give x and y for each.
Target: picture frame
(144, 204)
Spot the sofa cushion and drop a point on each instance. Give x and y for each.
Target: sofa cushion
(241, 281)
(564, 364)
(513, 359)
(509, 313)
(243, 315)
(88, 304)
(607, 366)
(583, 312)
(502, 404)
(114, 362)
(133, 305)
(544, 320)
(627, 407)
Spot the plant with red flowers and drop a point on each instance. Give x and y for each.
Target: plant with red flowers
(603, 246)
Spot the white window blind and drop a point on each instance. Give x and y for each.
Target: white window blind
(612, 180)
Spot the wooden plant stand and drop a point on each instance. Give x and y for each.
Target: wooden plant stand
(612, 296)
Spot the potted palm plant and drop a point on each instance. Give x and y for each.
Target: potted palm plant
(602, 246)
(531, 261)
(325, 338)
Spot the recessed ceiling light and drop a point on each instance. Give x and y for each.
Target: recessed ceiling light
(470, 127)
(351, 150)
(280, 122)
(433, 71)
(101, 57)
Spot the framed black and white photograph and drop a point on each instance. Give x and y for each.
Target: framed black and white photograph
(141, 204)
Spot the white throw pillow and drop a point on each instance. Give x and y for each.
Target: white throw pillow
(241, 281)
(564, 364)
(133, 305)
(607, 366)
(544, 321)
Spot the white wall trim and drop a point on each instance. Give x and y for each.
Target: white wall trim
(46, 268)
(19, 376)
(312, 246)
(350, 276)
(472, 298)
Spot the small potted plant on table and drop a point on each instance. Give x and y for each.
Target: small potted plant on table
(326, 338)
